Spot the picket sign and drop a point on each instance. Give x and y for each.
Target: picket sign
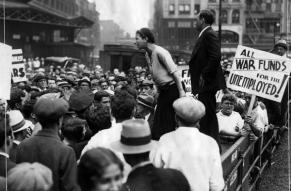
(5, 72)
(259, 73)
(185, 78)
(18, 67)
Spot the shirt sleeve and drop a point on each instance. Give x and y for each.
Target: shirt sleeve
(166, 60)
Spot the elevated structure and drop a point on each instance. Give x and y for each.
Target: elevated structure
(44, 28)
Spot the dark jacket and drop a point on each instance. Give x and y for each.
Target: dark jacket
(12, 152)
(3, 168)
(46, 148)
(150, 178)
(205, 63)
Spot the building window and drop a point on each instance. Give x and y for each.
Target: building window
(184, 24)
(16, 36)
(224, 16)
(184, 9)
(235, 16)
(172, 9)
(194, 23)
(196, 9)
(171, 24)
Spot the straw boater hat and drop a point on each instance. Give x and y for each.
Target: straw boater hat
(17, 121)
(135, 137)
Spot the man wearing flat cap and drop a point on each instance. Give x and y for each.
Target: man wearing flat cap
(46, 146)
(186, 149)
(135, 143)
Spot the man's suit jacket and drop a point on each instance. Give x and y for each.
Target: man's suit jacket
(46, 148)
(3, 162)
(12, 152)
(205, 63)
(150, 178)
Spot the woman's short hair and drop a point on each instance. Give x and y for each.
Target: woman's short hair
(146, 33)
(93, 164)
(229, 97)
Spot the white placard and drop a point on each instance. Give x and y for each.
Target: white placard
(185, 78)
(259, 73)
(5, 72)
(18, 67)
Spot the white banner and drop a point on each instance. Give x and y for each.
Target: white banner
(5, 72)
(259, 73)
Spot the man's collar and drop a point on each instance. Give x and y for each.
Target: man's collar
(16, 142)
(203, 31)
(4, 154)
(141, 165)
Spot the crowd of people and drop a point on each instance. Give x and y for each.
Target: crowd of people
(76, 129)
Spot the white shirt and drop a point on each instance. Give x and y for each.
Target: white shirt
(228, 124)
(260, 117)
(195, 154)
(203, 31)
(104, 137)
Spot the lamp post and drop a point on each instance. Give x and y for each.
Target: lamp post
(219, 23)
(276, 25)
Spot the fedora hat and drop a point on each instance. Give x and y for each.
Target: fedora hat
(282, 43)
(17, 121)
(146, 100)
(135, 137)
(189, 109)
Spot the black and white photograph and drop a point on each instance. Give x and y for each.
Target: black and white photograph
(145, 95)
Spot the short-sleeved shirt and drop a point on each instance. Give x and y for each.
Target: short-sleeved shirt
(162, 72)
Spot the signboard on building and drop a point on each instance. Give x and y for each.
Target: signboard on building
(259, 73)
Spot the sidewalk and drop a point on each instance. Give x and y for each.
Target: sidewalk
(276, 177)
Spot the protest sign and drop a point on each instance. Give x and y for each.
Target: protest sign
(259, 73)
(18, 67)
(185, 77)
(5, 72)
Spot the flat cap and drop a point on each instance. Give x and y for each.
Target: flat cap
(189, 109)
(29, 177)
(50, 107)
(81, 100)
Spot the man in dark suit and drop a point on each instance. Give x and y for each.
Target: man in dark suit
(5, 135)
(135, 144)
(46, 146)
(206, 73)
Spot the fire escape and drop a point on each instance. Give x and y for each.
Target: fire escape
(253, 31)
